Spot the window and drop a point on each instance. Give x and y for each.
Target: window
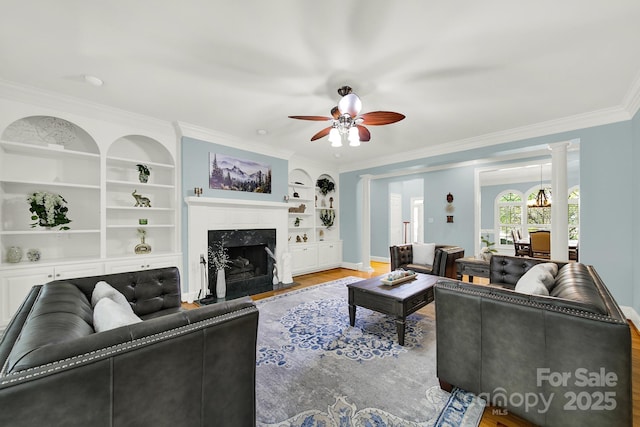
(574, 213)
(509, 206)
(538, 218)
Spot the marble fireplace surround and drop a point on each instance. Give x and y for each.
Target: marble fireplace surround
(209, 213)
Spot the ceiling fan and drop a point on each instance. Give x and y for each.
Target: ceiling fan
(348, 123)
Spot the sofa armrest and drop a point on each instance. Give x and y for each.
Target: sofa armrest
(444, 263)
(499, 344)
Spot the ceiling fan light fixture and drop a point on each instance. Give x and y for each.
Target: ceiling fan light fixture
(354, 138)
(335, 138)
(350, 104)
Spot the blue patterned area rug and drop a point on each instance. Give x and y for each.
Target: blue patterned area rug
(314, 370)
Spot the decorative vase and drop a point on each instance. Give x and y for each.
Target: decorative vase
(486, 256)
(142, 247)
(33, 255)
(221, 284)
(14, 254)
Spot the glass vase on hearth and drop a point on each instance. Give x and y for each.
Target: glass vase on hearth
(221, 284)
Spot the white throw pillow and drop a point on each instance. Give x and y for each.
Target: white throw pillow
(538, 280)
(423, 253)
(105, 290)
(108, 314)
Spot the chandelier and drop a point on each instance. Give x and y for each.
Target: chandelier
(541, 200)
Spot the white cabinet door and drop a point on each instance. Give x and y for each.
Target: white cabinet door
(142, 263)
(16, 284)
(304, 257)
(70, 271)
(329, 254)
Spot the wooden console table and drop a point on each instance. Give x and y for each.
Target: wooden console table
(472, 266)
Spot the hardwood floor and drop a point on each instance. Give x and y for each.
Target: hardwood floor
(490, 418)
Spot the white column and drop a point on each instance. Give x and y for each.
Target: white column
(366, 223)
(559, 202)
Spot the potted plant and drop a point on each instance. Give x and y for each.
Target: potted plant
(49, 210)
(143, 172)
(488, 249)
(325, 186)
(327, 216)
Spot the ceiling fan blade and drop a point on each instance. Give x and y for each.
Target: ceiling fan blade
(322, 133)
(335, 112)
(314, 118)
(363, 133)
(377, 118)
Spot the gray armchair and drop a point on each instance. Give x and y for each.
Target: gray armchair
(444, 261)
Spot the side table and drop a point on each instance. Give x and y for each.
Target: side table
(472, 266)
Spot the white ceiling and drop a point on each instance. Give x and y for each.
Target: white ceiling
(456, 69)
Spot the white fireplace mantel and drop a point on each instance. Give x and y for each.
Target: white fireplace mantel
(210, 213)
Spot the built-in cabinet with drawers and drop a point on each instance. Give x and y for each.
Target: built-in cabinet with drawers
(50, 154)
(314, 237)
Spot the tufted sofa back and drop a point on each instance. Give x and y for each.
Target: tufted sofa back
(507, 270)
(149, 292)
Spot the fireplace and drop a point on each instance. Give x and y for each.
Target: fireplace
(250, 270)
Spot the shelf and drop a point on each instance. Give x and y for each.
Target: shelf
(51, 184)
(123, 161)
(142, 226)
(300, 228)
(300, 214)
(43, 150)
(46, 232)
(140, 209)
(138, 183)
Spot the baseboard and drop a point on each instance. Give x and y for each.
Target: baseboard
(632, 315)
(381, 259)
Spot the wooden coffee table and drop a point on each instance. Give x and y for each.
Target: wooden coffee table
(397, 300)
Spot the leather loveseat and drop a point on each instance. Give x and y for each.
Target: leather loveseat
(444, 260)
(557, 360)
(175, 367)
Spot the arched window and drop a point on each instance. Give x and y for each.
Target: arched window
(509, 208)
(574, 213)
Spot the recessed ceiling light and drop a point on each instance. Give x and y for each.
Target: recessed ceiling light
(261, 132)
(93, 80)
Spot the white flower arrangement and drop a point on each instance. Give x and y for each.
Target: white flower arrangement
(218, 256)
(48, 209)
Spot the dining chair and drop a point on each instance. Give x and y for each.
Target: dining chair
(540, 244)
(520, 249)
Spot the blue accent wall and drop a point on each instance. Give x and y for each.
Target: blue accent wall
(606, 174)
(195, 173)
(635, 189)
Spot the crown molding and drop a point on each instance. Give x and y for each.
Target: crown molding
(551, 127)
(59, 102)
(632, 100)
(184, 129)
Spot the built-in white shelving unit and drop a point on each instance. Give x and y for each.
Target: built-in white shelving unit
(49, 153)
(313, 245)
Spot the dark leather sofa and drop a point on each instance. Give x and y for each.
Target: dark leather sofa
(444, 260)
(175, 368)
(572, 349)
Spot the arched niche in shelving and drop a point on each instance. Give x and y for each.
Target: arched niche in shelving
(45, 130)
(142, 148)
